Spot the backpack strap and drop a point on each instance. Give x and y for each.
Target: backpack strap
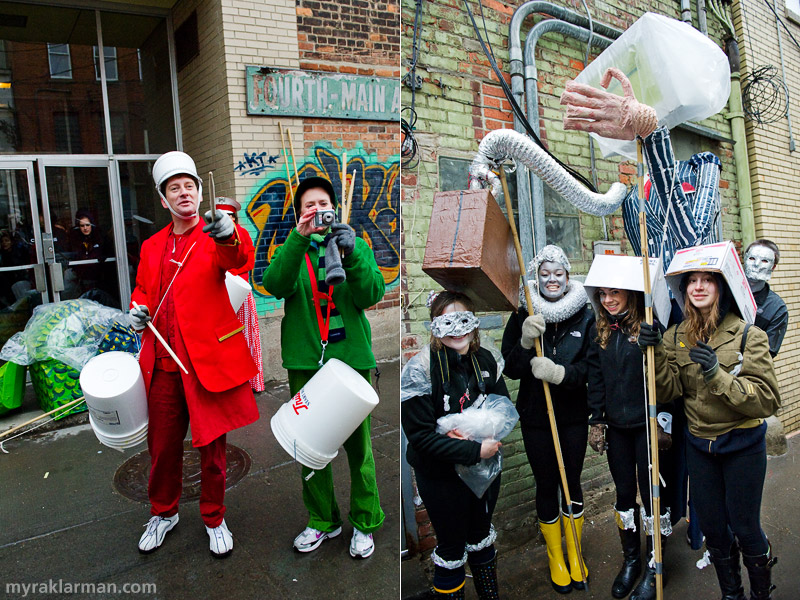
(744, 338)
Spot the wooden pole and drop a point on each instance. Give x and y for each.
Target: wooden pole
(163, 342)
(40, 417)
(213, 191)
(655, 491)
(547, 397)
(350, 197)
(291, 149)
(288, 174)
(343, 197)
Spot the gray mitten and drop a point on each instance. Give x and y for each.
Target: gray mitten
(532, 328)
(334, 272)
(545, 369)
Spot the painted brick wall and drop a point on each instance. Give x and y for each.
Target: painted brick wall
(775, 172)
(460, 100)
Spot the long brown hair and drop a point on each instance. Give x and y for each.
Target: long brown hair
(442, 301)
(629, 322)
(699, 327)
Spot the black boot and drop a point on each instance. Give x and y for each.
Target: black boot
(729, 572)
(759, 568)
(631, 558)
(646, 590)
(484, 576)
(453, 595)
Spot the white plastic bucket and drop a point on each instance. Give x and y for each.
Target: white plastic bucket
(115, 396)
(238, 289)
(323, 414)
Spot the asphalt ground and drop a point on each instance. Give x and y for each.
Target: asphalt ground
(64, 526)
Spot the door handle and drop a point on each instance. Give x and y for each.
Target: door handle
(39, 277)
(57, 277)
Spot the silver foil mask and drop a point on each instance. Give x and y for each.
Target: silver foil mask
(454, 324)
(551, 274)
(758, 263)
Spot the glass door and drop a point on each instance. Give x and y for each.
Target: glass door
(78, 209)
(23, 284)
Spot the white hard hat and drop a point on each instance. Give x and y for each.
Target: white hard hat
(175, 163)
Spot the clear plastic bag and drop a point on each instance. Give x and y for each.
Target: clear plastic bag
(492, 419)
(70, 331)
(672, 67)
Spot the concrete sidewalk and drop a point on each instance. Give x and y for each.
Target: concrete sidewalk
(523, 571)
(62, 519)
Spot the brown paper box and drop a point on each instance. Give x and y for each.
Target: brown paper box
(470, 249)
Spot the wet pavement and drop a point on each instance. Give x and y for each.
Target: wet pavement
(523, 572)
(65, 527)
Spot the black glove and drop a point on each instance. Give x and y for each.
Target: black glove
(345, 237)
(649, 335)
(704, 356)
(222, 228)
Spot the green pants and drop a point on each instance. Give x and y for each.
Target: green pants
(318, 495)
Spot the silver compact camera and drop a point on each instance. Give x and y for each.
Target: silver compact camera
(324, 218)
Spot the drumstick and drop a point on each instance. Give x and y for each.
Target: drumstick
(163, 341)
(213, 196)
(40, 417)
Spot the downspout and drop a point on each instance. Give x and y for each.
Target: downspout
(702, 23)
(736, 116)
(516, 68)
(686, 11)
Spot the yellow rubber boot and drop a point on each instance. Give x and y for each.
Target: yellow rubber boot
(572, 552)
(559, 575)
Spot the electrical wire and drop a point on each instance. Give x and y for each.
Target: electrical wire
(409, 147)
(518, 112)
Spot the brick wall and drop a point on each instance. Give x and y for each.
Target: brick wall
(775, 172)
(460, 100)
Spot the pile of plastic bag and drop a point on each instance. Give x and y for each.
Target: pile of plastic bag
(492, 419)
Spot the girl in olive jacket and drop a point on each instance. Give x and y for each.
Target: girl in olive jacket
(723, 370)
(449, 375)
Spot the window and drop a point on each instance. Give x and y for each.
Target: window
(110, 54)
(67, 133)
(60, 61)
(562, 223)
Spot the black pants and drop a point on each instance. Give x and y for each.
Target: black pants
(726, 490)
(542, 458)
(628, 461)
(458, 516)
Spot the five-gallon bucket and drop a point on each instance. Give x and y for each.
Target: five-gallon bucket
(323, 414)
(114, 389)
(238, 289)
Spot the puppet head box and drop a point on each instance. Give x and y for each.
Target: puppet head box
(625, 273)
(719, 258)
(470, 249)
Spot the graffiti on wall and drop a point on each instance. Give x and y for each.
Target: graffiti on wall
(375, 211)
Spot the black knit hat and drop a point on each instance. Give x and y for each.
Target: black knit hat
(310, 183)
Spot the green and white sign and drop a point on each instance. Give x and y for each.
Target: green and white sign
(317, 94)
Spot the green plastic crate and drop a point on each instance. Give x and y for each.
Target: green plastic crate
(12, 386)
(56, 384)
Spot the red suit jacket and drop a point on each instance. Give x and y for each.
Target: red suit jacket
(212, 345)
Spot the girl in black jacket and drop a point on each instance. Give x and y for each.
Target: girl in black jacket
(453, 373)
(618, 413)
(562, 323)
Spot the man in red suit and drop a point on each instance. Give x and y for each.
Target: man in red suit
(182, 275)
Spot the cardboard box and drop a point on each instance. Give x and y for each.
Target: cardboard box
(718, 258)
(470, 249)
(625, 273)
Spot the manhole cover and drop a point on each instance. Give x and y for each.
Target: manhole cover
(131, 478)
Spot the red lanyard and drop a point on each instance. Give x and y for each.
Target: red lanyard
(324, 324)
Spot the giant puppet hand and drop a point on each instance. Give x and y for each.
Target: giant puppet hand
(221, 228)
(606, 114)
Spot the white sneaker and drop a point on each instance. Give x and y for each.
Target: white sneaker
(361, 546)
(157, 529)
(221, 540)
(311, 538)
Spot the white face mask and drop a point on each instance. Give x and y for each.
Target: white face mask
(454, 324)
(552, 280)
(758, 263)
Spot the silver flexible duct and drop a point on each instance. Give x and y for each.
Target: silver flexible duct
(502, 144)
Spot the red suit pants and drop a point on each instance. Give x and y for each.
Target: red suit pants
(168, 424)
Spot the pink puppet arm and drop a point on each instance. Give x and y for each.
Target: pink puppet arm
(606, 114)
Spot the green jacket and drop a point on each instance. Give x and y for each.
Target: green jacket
(726, 401)
(287, 278)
